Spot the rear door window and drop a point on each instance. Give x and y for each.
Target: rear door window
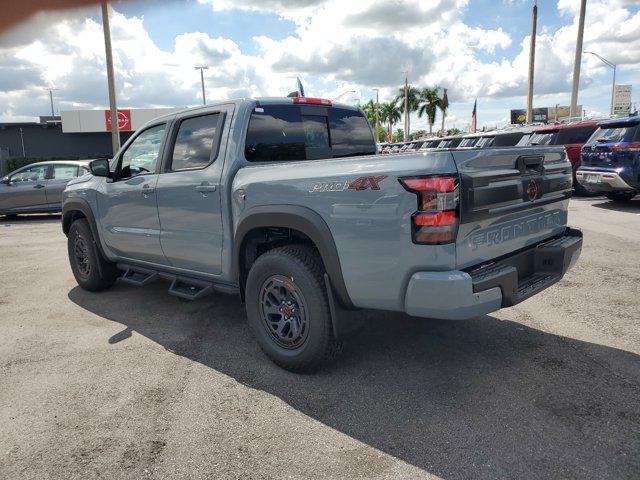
(65, 172)
(194, 143)
(294, 132)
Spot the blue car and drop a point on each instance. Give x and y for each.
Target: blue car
(611, 159)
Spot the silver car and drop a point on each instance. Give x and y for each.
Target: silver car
(37, 188)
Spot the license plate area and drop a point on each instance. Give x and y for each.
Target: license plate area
(593, 178)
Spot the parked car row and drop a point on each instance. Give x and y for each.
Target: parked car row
(604, 155)
(37, 188)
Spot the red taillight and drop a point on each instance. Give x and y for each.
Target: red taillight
(439, 219)
(312, 101)
(434, 184)
(436, 220)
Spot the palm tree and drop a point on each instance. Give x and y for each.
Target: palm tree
(413, 103)
(429, 104)
(369, 110)
(389, 112)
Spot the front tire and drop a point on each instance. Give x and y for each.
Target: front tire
(620, 197)
(91, 270)
(288, 309)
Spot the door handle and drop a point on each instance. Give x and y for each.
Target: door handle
(39, 186)
(147, 190)
(206, 187)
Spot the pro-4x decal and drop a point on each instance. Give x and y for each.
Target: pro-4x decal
(360, 183)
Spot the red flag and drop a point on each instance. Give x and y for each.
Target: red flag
(474, 117)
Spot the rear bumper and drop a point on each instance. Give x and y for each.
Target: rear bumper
(457, 295)
(606, 180)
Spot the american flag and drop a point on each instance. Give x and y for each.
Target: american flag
(474, 117)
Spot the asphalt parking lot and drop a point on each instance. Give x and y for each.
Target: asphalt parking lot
(134, 383)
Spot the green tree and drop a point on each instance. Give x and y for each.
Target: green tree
(398, 136)
(417, 134)
(369, 110)
(429, 102)
(413, 102)
(390, 114)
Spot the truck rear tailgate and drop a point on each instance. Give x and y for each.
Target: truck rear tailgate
(510, 199)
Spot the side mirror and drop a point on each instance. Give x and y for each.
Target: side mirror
(100, 168)
(6, 180)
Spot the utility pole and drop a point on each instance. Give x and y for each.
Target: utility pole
(576, 63)
(377, 116)
(51, 98)
(612, 65)
(406, 106)
(115, 131)
(532, 61)
(202, 68)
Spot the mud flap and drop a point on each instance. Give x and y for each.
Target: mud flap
(344, 322)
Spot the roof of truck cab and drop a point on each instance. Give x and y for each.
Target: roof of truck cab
(259, 100)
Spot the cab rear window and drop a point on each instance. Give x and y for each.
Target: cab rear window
(279, 133)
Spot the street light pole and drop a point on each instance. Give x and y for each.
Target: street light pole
(115, 131)
(202, 68)
(576, 63)
(613, 85)
(377, 109)
(406, 105)
(343, 94)
(532, 61)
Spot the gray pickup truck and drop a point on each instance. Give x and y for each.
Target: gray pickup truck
(286, 202)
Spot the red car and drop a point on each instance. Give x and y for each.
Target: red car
(573, 136)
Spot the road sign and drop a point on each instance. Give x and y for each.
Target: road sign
(622, 100)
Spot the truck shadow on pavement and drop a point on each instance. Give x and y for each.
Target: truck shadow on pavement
(482, 398)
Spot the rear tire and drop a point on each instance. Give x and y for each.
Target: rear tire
(288, 309)
(620, 197)
(91, 270)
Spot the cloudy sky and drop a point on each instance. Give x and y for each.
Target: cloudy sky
(475, 48)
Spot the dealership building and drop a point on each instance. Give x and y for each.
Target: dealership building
(74, 134)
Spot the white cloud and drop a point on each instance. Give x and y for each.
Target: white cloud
(336, 46)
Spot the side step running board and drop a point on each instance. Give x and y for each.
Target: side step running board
(189, 289)
(181, 286)
(139, 276)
